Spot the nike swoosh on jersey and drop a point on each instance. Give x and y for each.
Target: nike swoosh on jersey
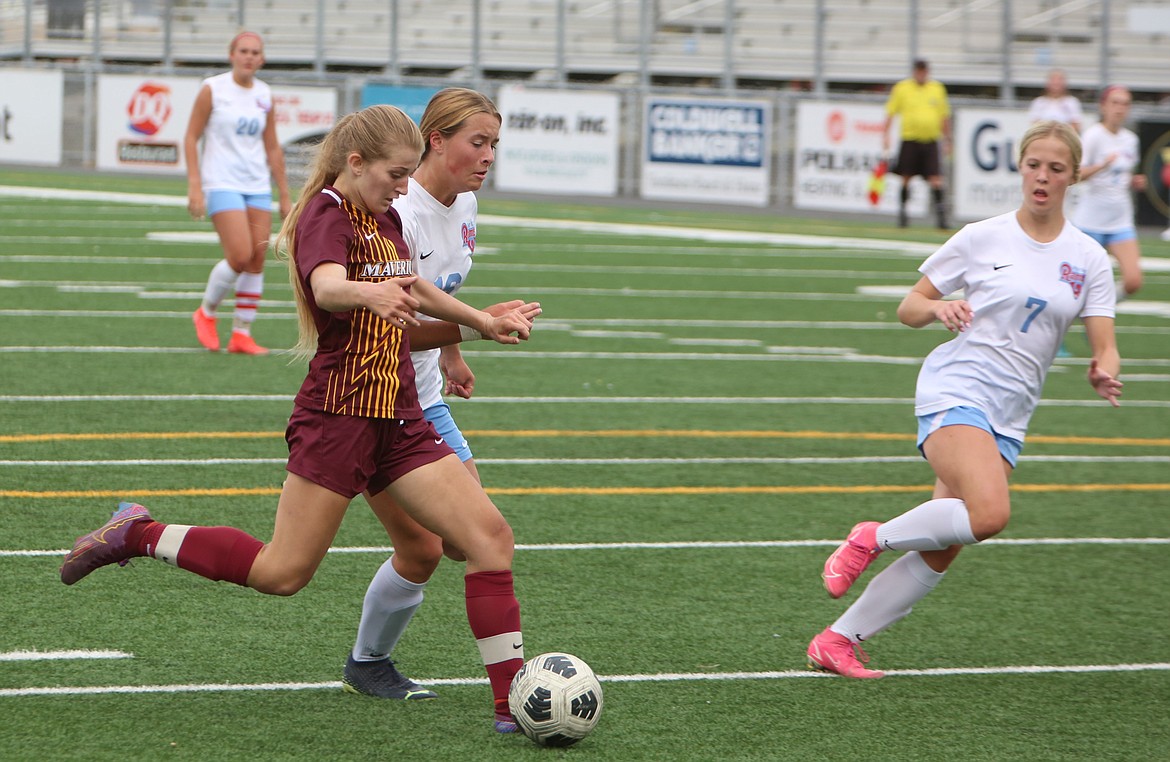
(424, 256)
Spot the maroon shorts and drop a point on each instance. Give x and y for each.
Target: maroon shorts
(350, 455)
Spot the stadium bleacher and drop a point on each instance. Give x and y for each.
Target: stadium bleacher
(772, 43)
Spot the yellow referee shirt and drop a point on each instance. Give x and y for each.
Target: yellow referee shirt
(923, 108)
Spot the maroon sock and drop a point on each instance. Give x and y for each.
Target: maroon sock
(217, 553)
(492, 611)
(143, 535)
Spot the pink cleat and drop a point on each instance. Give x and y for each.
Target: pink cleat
(831, 652)
(105, 545)
(205, 330)
(243, 344)
(851, 558)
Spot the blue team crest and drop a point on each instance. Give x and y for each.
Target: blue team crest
(1074, 277)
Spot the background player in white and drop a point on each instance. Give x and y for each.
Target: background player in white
(1056, 104)
(1026, 276)
(461, 128)
(232, 182)
(1105, 207)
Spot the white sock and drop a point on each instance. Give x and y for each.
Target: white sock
(249, 289)
(934, 525)
(221, 280)
(390, 602)
(890, 596)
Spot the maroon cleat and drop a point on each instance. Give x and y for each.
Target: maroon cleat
(105, 545)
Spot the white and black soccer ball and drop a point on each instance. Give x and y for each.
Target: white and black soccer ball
(555, 699)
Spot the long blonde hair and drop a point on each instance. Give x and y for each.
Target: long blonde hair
(373, 133)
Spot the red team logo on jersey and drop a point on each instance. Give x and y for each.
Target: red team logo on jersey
(469, 236)
(1073, 277)
(149, 108)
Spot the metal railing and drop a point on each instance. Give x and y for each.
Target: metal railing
(819, 45)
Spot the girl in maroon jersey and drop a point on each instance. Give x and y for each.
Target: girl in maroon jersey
(356, 426)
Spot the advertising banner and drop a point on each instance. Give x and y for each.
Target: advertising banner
(708, 150)
(142, 120)
(412, 100)
(986, 175)
(31, 108)
(563, 142)
(303, 114)
(839, 164)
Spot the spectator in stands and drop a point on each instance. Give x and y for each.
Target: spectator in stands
(232, 182)
(1105, 207)
(460, 128)
(356, 425)
(1025, 276)
(1056, 103)
(925, 114)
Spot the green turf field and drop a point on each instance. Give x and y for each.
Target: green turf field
(697, 421)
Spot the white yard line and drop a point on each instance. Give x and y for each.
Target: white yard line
(703, 544)
(62, 655)
(251, 398)
(1036, 669)
(825, 461)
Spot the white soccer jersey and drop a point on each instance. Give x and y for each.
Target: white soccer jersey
(1065, 109)
(442, 241)
(234, 158)
(1105, 203)
(1024, 295)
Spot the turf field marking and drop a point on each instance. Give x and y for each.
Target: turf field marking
(288, 398)
(693, 545)
(61, 655)
(807, 489)
(769, 354)
(837, 461)
(559, 324)
(1038, 669)
(910, 248)
(810, 489)
(746, 272)
(585, 434)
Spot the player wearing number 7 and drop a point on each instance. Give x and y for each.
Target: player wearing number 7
(1025, 277)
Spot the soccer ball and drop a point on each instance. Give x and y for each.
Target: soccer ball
(555, 699)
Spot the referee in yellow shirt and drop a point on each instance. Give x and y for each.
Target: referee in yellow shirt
(922, 104)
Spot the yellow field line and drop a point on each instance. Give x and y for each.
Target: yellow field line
(601, 433)
(808, 489)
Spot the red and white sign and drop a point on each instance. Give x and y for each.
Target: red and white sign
(839, 160)
(142, 120)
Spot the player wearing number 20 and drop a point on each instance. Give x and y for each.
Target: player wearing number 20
(1025, 276)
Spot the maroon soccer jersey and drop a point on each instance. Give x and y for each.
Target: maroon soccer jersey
(362, 366)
